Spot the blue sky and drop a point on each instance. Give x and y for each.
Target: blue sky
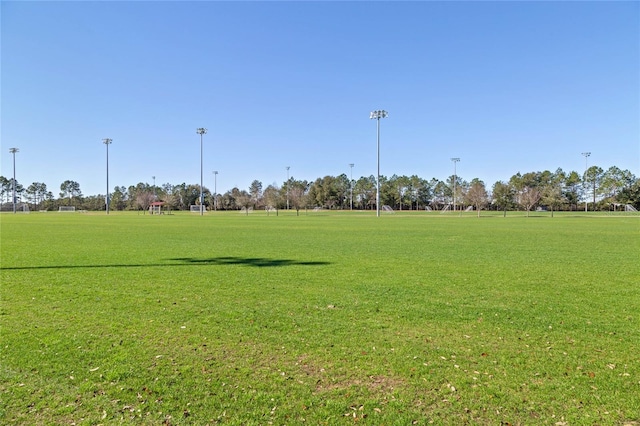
(505, 86)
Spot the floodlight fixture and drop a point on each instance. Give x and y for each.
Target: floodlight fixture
(377, 115)
(201, 131)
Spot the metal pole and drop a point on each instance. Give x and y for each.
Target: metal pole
(351, 185)
(377, 115)
(13, 151)
(201, 180)
(215, 190)
(586, 199)
(201, 131)
(107, 142)
(288, 187)
(455, 177)
(378, 177)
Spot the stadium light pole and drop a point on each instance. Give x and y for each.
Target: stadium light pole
(215, 190)
(13, 152)
(107, 142)
(351, 184)
(288, 167)
(586, 199)
(201, 131)
(455, 160)
(154, 187)
(377, 115)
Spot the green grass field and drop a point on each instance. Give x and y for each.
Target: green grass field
(320, 319)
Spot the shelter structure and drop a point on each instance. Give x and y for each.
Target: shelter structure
(156, 207)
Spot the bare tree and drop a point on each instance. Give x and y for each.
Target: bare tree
(529, 197)
(144, 200)
(245, 200)
(477, 195)
(272, 198)
(298, 195)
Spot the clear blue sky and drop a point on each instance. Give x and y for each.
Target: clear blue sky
(506, 86)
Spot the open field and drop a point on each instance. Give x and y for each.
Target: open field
(322, 319)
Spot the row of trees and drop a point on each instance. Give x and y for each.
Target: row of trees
(559, 190)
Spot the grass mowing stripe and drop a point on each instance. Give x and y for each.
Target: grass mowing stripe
(327, 318)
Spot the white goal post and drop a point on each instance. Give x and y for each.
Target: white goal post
(67, 209)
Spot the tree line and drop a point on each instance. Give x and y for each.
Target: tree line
(597, 189)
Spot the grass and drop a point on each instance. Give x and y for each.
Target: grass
(322, 318)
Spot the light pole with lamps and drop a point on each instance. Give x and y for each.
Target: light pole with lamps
(455, 177)
(288, 167)
(377, 115)
(107, 142)
(154, 187)
(215, 190)
(201, 131)
(13, 152)
(351, 184)
(586, 199)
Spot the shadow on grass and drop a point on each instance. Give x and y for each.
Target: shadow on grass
(249, 261)
(259, 262)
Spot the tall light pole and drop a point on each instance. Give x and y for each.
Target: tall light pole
(288, 167)
(586, 199)
(201, 131)
(377, 115)
(154, 187)
(107, 142)
(455, 160)
(215, 190)
(351, 184)
(13, 151)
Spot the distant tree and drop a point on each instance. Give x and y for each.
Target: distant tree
(441, 194)
(503, 196)
(117, 200)
(272, 198)
(5, 188)
(70, 189)
(529, 197)
(631, 194)
(36, 193)
(144, 200)
(244, 200)
(551, 195)
(571, 192)
(364, 192)
(476, 195)
(592, 180)
(255, 190)
(298, 195)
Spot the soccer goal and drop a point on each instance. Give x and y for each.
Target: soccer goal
(244, 210)
(387, 209)
(629, 208)
(67, 209)
(197, 208)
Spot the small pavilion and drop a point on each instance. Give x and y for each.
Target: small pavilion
(156, 207)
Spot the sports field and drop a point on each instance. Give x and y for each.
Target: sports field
(410, 318)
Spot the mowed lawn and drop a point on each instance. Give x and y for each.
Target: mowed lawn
(319, 319)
